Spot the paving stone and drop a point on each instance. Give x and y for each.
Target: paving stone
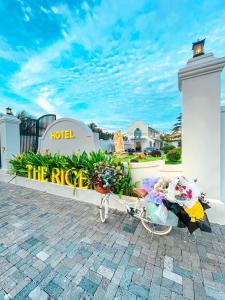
(157, 275)
(31, 272)
(73, 292)
(139, 290)
(215, 293)
(110, 264)
(172, 285)
(100, 292)
(38, 294)
(42, 255)
(7, 284)
(123, 294)
(165, 294)
(182, 272)
(111, 291)
(88, 285)
(154, 291)
(53, 289)
(60, 244)
(188, 288)
(106, 272)
(168, 263)
(32, 241)
(126, 279)
(172, 276)
(2, 295)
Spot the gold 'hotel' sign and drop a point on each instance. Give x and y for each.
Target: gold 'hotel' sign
(63, 134)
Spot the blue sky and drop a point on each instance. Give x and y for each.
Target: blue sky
(111, 61)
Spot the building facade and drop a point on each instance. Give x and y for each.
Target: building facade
(143, 136)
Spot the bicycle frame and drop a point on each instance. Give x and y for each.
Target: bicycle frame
(135, 211)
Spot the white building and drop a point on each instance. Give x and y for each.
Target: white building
(143, 136)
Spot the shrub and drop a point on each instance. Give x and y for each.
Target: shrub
(179, 150)
(167, 148)
(174, 155)
(155, 153)
(140, 155)
(134, 159)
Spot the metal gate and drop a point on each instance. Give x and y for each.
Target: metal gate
(31, 130)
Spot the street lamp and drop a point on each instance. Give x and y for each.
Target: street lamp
(198, 48)
(9, 111)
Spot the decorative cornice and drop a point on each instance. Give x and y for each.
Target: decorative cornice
(199, 66)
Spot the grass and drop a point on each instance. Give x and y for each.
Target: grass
(146, 159)
(150, 158)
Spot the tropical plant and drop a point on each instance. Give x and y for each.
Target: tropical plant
(85, 162)
(125, 186)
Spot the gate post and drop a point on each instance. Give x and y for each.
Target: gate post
(9, 139)
(200, 84)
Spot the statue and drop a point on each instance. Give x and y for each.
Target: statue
(118, 142)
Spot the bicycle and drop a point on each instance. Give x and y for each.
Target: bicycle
(138, 211)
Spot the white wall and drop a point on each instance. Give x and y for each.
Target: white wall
(138, 124)
(200, 85)
(107, 145)
(9, 139)
(223, 153)
(84, 139)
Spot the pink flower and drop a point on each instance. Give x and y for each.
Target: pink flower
(189, 194)
(183, 195)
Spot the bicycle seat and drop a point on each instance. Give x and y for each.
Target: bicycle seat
(140, 192)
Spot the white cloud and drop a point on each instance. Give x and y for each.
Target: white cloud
(55, 9)
(44, 10)
(26, 18)
(45, 102)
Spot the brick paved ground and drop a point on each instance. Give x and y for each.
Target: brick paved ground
(56, 248)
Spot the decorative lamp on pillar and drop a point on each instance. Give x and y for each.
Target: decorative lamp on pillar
(9, 111)
(198, 48)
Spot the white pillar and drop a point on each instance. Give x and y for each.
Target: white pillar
(223, 153)
(200, 84)
(9, 139)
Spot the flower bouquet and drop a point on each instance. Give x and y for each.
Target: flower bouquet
(105, 179)
(180, 196)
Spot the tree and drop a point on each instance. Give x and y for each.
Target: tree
(104, 135)
(165, 137)
(22, 115)
(177, 131)
(178, 125)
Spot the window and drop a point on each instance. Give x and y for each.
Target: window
(137, 133)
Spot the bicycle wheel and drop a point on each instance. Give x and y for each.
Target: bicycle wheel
(154, 228)
(104, 208)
